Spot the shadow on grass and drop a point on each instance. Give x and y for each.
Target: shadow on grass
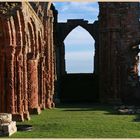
(137, 119)
(108, 109)
(86, 107)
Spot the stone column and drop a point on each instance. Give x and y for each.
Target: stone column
(40, 83)
(33, 86)
(10, 52)
(49, 60)
(109, 47)
(18, 115)
(25, 85)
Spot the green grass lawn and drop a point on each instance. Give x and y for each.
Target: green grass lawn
(81, 121)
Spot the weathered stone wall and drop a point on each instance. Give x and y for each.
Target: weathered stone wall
(27, 58)
(118, 39)
(117, 36)
(30, 51)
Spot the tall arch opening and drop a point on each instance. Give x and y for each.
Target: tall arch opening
(79, 51)
(77, 57)
(78, 82)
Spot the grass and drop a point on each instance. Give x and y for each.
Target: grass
(83, 121)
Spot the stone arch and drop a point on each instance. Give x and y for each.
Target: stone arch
(65, 28)
(74, 27)
(91, 48)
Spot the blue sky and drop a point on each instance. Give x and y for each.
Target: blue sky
(79, 45)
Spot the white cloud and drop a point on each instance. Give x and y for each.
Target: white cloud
(86, 6)
(77, 10)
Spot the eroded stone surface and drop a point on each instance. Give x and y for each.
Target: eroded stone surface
(27, 58)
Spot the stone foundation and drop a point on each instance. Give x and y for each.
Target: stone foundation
(7, 126)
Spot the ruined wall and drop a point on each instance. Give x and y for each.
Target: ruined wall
(119, 34)
(27, 59)
(29, 38)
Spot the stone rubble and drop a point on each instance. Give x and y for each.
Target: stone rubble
(127, 110)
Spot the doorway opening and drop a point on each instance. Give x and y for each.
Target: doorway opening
(79, 51)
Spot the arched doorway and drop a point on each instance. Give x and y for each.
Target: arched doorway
(78, 81)
(79, 51)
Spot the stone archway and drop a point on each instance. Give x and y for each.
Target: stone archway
(69, 90)
(63, 29)
(79, 51)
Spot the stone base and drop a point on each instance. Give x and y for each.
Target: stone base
(27, 116)
(35, 110)
(42, 106)
(8, 128)
(18, 117)
(49, 104)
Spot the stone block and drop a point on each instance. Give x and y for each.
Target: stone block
(5, 118)
(9, 128)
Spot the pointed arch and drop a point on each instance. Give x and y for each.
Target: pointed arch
(79, 59)
(74, 27)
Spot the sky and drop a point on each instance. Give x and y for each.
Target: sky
(79, 44)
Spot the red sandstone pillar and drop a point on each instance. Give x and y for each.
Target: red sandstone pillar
(33, 87)
(25, 86)
(10, 79)
(42, 103)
